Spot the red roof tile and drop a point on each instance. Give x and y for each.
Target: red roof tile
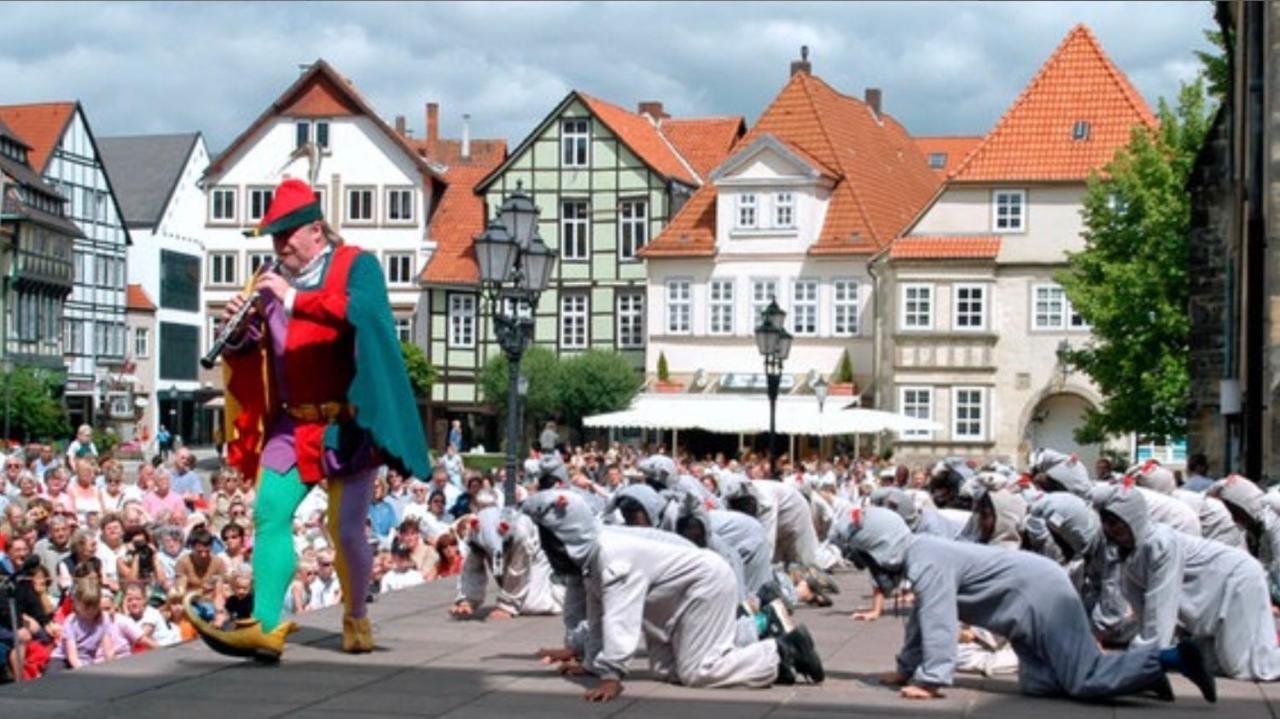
(137, 301)
(642, 136)
(705, 141)
(957, 247)
(953, 148)
(40, 125)
(881, 177)
(1034, 138)
(459, 217)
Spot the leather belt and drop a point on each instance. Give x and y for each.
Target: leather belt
(322, 412)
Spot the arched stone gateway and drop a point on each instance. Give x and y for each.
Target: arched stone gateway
(1052, 422)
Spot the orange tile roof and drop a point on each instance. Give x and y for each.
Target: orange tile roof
(137, 301)
(705, 141)
(449, 152)
(954, 147)
(1033, 140)
(955, 247)
(459, 217)
(40, 125)
(642, 136)
(882, 180)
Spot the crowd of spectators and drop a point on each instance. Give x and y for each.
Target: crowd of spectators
(97, 554)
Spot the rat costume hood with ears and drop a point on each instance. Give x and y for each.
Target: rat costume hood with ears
(659, 471)
(875, 538)
(567, 525)
(1071, 519)
(1010, 512)
(1066, 470)
(491, 528)
(642, 495)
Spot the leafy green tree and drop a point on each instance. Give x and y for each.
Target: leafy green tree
(1217, 64)
(422, 375)
(595, 382)
(32, 403)
(542, 369)
(1130, 282)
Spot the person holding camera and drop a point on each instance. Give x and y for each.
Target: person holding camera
(140, 562)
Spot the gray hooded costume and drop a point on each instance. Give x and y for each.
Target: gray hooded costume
(1219, 594)
(504, 544)
(1093, 566)
(920, 519)
(1067, 470)
(1019, 595)
(644, 582)
(653, 503)
(1216, 522)
(1010, 511)
(784, 514)
(1262, 533)
(552, 467)
(661, 471)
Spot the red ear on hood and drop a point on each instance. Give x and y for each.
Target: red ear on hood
(562, 501)
(1024, 480)
(856, 515)
(1072, 460)
(1128, 481)
(503, 528)
(710, 504)
(1148, 466)
(475, 524)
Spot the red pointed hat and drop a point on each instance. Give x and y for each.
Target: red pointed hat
(293, 204)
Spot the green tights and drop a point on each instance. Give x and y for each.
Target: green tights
(273, 559)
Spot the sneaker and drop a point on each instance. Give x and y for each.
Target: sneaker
(796, 649)
(778, 621)
(1195, 669)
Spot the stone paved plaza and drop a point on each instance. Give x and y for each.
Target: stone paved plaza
(429, 665)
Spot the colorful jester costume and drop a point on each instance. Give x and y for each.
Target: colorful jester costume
(316, 391)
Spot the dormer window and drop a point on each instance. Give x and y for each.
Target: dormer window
(784, 210)
(307, 131)
(747, 210)
(1080, 130)
(937, 160)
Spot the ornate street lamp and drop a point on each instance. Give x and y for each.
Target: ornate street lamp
(820, 390)
(515, 267)
(774, 342)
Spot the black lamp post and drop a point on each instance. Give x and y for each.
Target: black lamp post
(515, 267)
(774, 342)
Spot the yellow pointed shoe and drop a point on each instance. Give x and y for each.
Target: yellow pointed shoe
(357, 635)
(246, 640)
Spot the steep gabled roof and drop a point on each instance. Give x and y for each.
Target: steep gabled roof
(321, 91)
(136, 300)
(704, 142)
(145, 170)
(881, 178)
(41, 126)
(953, 148)
(1034, 139)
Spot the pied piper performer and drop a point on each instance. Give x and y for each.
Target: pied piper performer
(316, 390)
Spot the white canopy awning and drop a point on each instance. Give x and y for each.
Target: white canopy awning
(749, 414)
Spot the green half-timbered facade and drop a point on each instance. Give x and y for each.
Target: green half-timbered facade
(606, 181)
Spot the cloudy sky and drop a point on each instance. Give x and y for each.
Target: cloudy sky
(945, 68)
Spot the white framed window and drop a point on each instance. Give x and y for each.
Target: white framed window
(462, 321)
(763, 291)
(306, 131)
(404, 329)
(1008, 210)
(322, 134)
(784, 210)
(258, 202)
(804, 307)
(258, 259)
(1051, 310)
(720, 305)
(400, 205)
(917, 306)
(746, 217)
(222, 268)
(844, 308)
(969, 307)
(399, 267)
(359, 204)
(679, 306)
(575, 230)
(633, 227)
(575, 142)
(630, 319)
(916, 402)
(968, 413)
(573, 321)
(141, 343)
(222, 204)
(937, 160)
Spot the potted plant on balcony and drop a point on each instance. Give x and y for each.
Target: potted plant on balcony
(842, 383)
(664, 383)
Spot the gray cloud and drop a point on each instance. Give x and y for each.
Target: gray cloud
(944, 67)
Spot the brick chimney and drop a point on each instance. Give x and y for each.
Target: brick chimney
(872, 97)
(653, 109)
(802, 65)
(400, 125)
(433, 122)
